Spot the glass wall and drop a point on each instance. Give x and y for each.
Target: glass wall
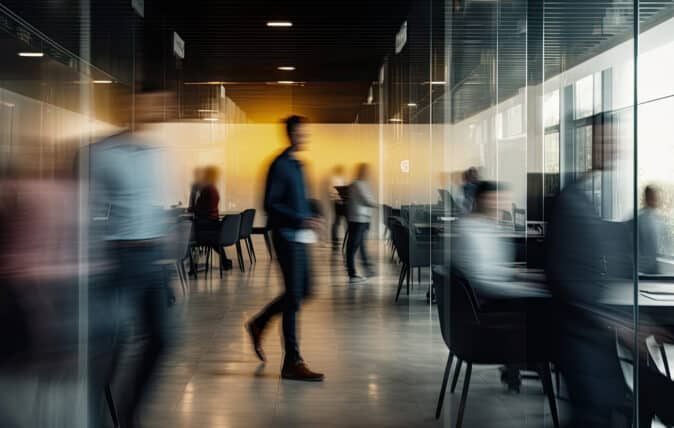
(566, 105)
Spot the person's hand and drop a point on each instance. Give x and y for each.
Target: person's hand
(315, 223)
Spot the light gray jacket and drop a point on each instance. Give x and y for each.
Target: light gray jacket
(361, 202)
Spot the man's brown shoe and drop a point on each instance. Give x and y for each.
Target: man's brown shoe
(255, 333)
(299, 371)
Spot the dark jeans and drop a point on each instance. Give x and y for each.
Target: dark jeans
(293, 258)
(356, 242)
(340, 213)
(140, 337)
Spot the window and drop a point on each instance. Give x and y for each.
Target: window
(584, 97)
(551, 109)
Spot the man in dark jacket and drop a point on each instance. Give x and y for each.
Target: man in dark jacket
(293, 226)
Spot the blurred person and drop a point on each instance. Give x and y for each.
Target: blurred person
(293, 226)
(337, 180)
(651, 231)
(207, 216)
(481, 254)
(39, 306)
(586, 328)
(359, 215)
(486, 260)
(471, 177)
(124, 181)
(206, 206)
(195, 189)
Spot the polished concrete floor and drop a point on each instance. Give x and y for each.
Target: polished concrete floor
(383, 361)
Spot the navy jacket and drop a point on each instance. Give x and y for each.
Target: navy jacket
(285, 199)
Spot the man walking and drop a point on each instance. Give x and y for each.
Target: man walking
(293, 227)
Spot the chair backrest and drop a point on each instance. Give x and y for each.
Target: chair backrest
(247, 220)
(457, 306)
(229, 229)
(401, 240)
(182, 237)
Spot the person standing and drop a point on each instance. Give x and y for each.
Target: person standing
(337, 180)
(125, 183)
(293, 227)
(359, 214)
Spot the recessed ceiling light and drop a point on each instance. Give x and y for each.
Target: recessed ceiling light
(286, 82)
(286, 68)
(279, 24)
(395, 120)
(436, 82)
(210, 119)
(31, 54)
(102, 82)
(411, 104)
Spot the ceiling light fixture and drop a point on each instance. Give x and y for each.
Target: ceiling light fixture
(411, 104)
(210, 119)
(286, 82)
(102, 82)
(395, 120)
(286, 68)
(31, 54)
(279, 24)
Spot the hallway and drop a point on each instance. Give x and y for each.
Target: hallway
(383, 362)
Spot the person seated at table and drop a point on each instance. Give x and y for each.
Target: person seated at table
(651, 231)
(206, 214)
(482, 255)
(471, 179)
(206, 206)
(485, 258)
(586, 326)
(195, 189)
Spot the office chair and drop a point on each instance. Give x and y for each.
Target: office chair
(476, 336)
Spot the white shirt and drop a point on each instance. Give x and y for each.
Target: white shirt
(651, 234)
(361, 202)
(486, 258)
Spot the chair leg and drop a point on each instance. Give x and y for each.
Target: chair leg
(208, 260)
(111, 406)
(445, 378)
(558, 381)
(546, 379)
(464, 395)
(409, 274)
(185, 275)
(252, 248)
(180, 276)
(267, 243)
(457, 372)
(221, 259)
(400, 280)
(239, 255)
(250, 254)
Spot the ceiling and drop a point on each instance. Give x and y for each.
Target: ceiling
(499, 47)
(337, 46)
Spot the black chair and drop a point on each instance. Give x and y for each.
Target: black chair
(412, 254)
(265, 232)
(476, 336)
(245, 232)
(229, 235)
(183, 250)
